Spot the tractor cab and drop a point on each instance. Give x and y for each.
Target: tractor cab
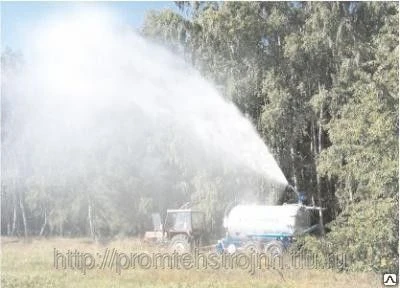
(182, 229)
(184, 221)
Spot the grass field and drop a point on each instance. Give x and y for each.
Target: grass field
(31, 264)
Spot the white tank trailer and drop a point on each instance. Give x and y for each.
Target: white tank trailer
(266, 227)
(260, 221)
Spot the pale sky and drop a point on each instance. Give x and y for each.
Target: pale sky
(17, 15)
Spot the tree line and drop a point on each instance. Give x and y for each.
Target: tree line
(319, 81)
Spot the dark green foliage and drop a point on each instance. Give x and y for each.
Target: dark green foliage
(320, 82)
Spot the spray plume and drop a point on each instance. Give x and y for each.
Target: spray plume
(94, 97)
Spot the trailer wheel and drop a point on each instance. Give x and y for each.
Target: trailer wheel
(251, 247)
(231, 248)
(274, 248)
(180, 243)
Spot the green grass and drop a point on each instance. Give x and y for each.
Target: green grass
(31, 264)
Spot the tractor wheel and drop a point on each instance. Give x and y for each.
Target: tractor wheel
(274, 248)
(180, 243)
(251, 247)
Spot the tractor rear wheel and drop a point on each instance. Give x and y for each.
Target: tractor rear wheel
(180, 243)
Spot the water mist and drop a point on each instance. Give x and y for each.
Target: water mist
(93, 100)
